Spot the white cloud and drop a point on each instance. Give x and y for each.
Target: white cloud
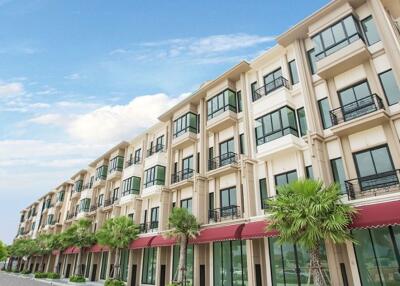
(47, 119)
(112, 123)
(40, 105)
(195, 49)
(73, 76)
(11, 89)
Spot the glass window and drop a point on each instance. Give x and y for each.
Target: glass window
(187, 204)
(273, 81)
(253, 86)
(301, 115)
(104, 260)
(78, 186)
(263, 192)
(211, 201)
(290, 264)
(224, 101)
(375, 168)
(309, 172)
(154, 176)
(226, 152)
(124, 262)
(241, 143)
(138, 156)
(131, 185)
(228, 197)
(285, 178)
(370, 32)
(101, 173)
(376, 255)
(149, 266)
(239, 101)
(323, 105)
(312, 61)
(338, 173)
(116, 164)
(189, 263)
(100, 200)
(275, 125)
(230, 264)
(390, 87)
(84, 205)
(294, 76)
(154, 214)
(336, 37)
(185, 123)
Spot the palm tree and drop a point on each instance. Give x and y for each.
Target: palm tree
(307, 213)
(117, 233)
(183, 227)
(79, 235)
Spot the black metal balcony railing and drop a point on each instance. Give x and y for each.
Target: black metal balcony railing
(228, 212)
(131, 192)
(108, 203)
(184, 130)
(182, 175)
(373, 184)
(131, 162)
(222, 160)
(155, 149)
(271, 136)
(147, 227)
(270, 87)
(70, 215)
(356, 109)
(93, 208)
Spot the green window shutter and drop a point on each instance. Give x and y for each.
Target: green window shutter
(135, 183)
(120, 163)
(193, 120)
(232, 98)
(104, 171)
(160, 175)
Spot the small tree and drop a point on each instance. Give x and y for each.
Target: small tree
(3, 251)
(43, 246)
(117, 233)
(23, 247)
(79, 235)
(307, 213)
(183, 227)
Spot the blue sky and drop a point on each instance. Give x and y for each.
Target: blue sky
(70, 71)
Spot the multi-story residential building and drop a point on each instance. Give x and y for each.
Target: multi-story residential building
(323, 103)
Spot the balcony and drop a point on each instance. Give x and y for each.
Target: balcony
(132, 162)
(152, 189)
(100, 181)
(70, 216)
(182, 179)
(282, 143)
(223, 120)
(93, 208)
(148, 227)
(225, 213)
(128, 196)
(270, 87)
(223, 164)
(362, 114)
(156, 149)
(185, 138)
(75, 194)
(345, 55)
(114, 174)
(373, 185)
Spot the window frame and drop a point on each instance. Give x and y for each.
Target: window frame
(365, 34)
(383, 88)
(296, 72)
(330, 124)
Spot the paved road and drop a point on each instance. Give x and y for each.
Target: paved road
(11, 280)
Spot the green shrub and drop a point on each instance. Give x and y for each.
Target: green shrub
(15, 271)
(26, 271)
(77, 278)
(53, 275)
(174, 284)
(40, 275)
(114, 282)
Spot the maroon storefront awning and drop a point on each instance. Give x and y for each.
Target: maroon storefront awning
(227, 232)
(377, 215)
(98, 248)
(71, 250)
(159, 240)
(256, 229)
(141, 242)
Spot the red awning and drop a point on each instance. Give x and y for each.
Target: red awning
(98, 248)
(141, 242)
(71, 250)
(377, 215)
(227, 232)
(256, 229)
(159, 240)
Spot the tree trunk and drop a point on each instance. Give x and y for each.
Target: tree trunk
(28, 260)
(78, 263)
(316, 268)
(182, 260)
(18, 263)
(55, 268)
(116, 264)
(41, 264)
(48, 262)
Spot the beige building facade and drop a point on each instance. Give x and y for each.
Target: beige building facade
(323, 103)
